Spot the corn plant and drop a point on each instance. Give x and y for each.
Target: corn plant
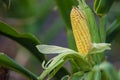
(89, 59)
(87, 41)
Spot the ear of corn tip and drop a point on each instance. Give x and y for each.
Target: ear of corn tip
(80, 31)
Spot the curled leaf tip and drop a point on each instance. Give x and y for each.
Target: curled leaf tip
(100, 47)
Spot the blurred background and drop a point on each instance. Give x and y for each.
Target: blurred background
(42, 18)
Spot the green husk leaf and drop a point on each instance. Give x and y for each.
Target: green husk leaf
(61, 59)
(95, 36)
(97, 51)
(7, 62)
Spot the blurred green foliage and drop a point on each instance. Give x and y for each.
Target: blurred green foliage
(32, 15)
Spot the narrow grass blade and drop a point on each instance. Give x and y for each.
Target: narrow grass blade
(7, 62)
(113, 30)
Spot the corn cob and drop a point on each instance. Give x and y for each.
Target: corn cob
(80, 31)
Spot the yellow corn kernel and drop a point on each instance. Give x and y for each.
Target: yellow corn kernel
(80, 31)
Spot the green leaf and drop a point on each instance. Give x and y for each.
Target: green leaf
(51, 49)
(94, 74)
(103, 22)
(97, 72)
(7, 62)
(108, 70)
(71, 40)
(113, 30)
(65, 6)
(27, 40)
(101, 7)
